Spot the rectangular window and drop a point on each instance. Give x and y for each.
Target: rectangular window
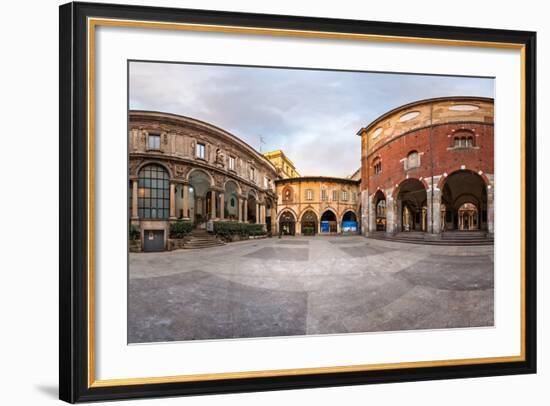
(344, 196)
(200, 150)
(378, 168)
(334, 195)
(252, 174)
(266, 183)
(324, 195)
(231, 163)
(154, 141)
(309, 194)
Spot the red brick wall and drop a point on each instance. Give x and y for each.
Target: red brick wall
(481, 157)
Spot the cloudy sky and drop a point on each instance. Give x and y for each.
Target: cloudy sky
(312, 116)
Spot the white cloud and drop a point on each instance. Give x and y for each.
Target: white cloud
(312, 115)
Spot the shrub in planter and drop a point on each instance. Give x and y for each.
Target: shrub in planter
(308, 230)
(134, 233)
(180, 228)
(228, 230)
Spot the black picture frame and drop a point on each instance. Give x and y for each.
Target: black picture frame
(74, 383)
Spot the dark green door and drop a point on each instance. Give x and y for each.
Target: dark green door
(154, 240)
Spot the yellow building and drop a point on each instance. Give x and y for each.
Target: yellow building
(285, 167)
(317, 205)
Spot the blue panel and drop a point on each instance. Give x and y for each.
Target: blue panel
(349, 226)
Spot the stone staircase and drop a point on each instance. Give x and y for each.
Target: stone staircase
(447, 238)
(202, 239)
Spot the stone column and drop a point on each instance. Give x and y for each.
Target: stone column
(298, 228)
(274, 221)
(371, 215)
(490, 209)
(434, 213)
(262, 213)
(365, 212)
(338, 226)
(222, 205)
(135, 199)
(240, 210)
(390, 215)
(185, 205)
(213, 204)
(172, 201)
(257, 213)
(245, 211)
(398, 216)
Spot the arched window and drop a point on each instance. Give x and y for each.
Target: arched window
(287, 194)
(377, 166)
(413, 160)
(153, 192)
(463, 139)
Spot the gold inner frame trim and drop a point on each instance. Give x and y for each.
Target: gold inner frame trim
(94, 22)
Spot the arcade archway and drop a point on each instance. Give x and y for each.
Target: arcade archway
(328, 222)
(309, 223)
(411, 206)
(287, 223)
(464, 197)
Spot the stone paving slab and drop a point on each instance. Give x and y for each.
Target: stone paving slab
(307, 285)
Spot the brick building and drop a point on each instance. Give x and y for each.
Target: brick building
(428, 167)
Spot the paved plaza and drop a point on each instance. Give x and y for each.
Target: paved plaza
(300, 285)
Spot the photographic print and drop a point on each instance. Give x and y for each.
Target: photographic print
(272, 202)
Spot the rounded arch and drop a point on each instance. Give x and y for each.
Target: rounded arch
(329, 221)
(465, 187)
(236, 185)
(403, 182)
(252, 193)
(454, 170)
(411, 205)
(329, 213)
(348, 215)
(153, 162)
(379, 209)
(309, 222)
(287, 222)
(202, 171)
(289, 210)
(305, 210)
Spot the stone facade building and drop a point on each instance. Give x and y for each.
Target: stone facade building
(285, 167)
(182, 168)
(317, 205)
(428, 167)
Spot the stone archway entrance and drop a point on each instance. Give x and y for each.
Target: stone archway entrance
(349, 222)
(199, 196)
(380, 210)
(287, 223)
(309, 223)
(252, 208)
(328, 222)
(465, 200)
(411, 206)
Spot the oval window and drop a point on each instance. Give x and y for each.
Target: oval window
(464, 107)
(377, 132)
(409, 116)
